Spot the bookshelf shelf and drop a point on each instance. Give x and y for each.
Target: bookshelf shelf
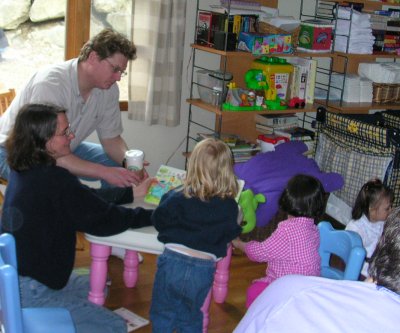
(217, 110)
(242, 123)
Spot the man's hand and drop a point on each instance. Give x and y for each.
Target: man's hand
(122, 177)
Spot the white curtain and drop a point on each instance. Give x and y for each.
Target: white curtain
(155, 77)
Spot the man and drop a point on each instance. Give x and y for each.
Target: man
(86, 87)
(312, 304)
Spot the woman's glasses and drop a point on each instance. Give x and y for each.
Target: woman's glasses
(67, 132)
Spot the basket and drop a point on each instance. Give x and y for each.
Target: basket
(267, 28)
(386, 93)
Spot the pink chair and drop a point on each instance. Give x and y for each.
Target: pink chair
(143, 240)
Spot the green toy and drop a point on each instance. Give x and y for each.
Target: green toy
(249, 203)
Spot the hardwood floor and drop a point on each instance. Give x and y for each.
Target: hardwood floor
(223, 317)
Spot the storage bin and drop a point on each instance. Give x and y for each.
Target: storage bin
(266, 28)
(259, 44)
(212, 86)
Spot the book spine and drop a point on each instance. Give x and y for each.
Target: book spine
(237, 23)
(270, 129)
(204, 28)
(273, 121)
(310, 86)
(293, 84)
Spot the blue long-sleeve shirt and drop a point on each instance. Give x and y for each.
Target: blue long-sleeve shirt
(206, 226)
(44, 208)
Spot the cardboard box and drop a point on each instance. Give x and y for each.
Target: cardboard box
(259, 44)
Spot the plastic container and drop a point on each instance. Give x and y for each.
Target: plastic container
(277, 72)
(212, 86)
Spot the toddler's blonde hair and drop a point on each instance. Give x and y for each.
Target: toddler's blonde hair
(210, 171)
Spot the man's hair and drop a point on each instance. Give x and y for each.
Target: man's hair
(384, 268)
(106, 43)
(34, 125)
(303, 196)
(210, 171)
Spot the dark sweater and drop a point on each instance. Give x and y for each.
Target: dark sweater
(45, 207)
(205, 226)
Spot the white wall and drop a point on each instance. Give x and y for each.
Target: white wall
(160, 142)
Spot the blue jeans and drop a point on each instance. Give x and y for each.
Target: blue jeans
(87, 317)
(88, 151)
(180, 288)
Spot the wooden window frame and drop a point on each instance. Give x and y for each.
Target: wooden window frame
(77, 25)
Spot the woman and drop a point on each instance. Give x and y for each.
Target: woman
(46, 205)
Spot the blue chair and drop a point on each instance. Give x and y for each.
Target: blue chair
(345, 244)
(15, 319)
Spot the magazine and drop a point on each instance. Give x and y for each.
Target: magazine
(167, 178)
(133, 321)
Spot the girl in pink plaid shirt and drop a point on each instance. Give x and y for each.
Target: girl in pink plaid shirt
(293, 247)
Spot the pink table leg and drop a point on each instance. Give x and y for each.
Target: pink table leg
(131, 263)
(206, 312)
(98, 272)
(221, 278)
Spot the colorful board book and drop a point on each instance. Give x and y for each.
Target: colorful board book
(167, 178)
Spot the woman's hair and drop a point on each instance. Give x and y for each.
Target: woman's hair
(210, 171)
(34, 125)
(370, 195)
(106, 44)
(384, 267)
(303, 196)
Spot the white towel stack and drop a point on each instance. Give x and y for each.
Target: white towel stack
(355, 89)
(353, 29)
(388, 72)
(366, 90)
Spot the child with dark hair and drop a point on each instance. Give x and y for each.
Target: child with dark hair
(371, 209)
(293, 247)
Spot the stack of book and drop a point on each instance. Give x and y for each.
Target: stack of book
(286, 125)
(242, 150)
(268, 124)
(229, 139)
(302, 84)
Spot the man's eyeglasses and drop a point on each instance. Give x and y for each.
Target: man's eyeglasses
(116, 69)
(67, 132)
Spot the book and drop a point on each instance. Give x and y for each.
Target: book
(303, 78)
(240, 189)
(167, 178)
(271, 129)
(296, 133)
(276, 120)
(133, 321)
(229, 139)
(204, 22)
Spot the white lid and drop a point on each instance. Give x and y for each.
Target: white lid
(134, 153)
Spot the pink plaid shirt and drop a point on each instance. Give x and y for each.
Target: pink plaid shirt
(291, 249)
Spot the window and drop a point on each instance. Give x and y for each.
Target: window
(84, 19)
(33, 46)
